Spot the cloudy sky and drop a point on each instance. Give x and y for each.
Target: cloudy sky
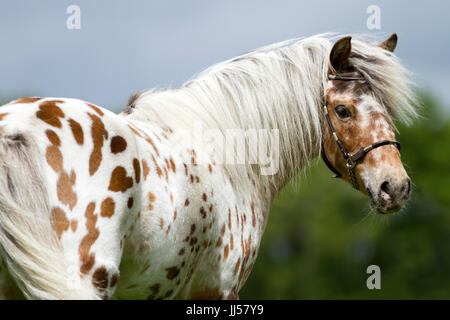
(126, 46)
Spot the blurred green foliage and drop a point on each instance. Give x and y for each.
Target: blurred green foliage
(321, 236)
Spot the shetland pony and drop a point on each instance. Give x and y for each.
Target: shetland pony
(170, 198)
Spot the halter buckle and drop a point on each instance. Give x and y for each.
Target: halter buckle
(350, 163)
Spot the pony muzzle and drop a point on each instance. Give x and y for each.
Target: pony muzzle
(391, 195)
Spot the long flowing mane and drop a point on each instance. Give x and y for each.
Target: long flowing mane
(276, 87)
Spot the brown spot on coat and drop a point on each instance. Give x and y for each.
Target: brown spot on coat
(50, 113)
(54, 158)
(64, 189)
(96, 109)
(2, 115)
(107, 208)
(253, 216)
(225, 252)
(114, 280)
(155, 288)
(145, 169)
(77, 131)
(203, 212)
(74, 225)
(168, 294)
(175, 213)
(158, 169)
(100, 279)
(87, 258)
(87, 263)
(130, 202)
(119, 180)
(246, 252)
(60, 221)
(172, 165)
(172, 272)
(98, 133)
(118, 144)
(26, 100)
(192, 229)
(135, 131)
(222, 231)
(53, 138)
(137, 170)
(151, 198)
(150, 141)
(236, 267)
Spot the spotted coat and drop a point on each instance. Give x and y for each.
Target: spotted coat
(136, 219)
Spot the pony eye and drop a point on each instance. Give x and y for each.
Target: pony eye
(342, 112)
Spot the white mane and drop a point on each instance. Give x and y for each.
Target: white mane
(276, 87)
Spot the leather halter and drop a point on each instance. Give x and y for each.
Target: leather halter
(351, 159)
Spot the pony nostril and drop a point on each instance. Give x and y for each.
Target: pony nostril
(386, 187)
(386, 190)
(408, 188)
(393, 194)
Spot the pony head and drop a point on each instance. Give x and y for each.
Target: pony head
(359, 135)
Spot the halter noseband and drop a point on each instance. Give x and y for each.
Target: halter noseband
(350, 159)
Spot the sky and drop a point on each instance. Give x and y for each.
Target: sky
(127, 46)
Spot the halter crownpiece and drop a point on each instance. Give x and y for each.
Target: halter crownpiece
(351, 159)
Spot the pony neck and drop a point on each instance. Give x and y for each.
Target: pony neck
(277, 90)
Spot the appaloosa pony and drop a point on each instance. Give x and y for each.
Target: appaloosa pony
(98, 205)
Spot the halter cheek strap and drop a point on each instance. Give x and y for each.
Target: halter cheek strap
(351, 159)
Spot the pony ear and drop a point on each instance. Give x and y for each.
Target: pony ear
(390, 43)
(340, 53)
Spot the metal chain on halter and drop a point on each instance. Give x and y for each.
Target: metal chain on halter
(350, 159)
(351, 173)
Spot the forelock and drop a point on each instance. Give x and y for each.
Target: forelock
(390, 83)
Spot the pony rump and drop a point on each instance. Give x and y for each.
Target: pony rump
(28, 244)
